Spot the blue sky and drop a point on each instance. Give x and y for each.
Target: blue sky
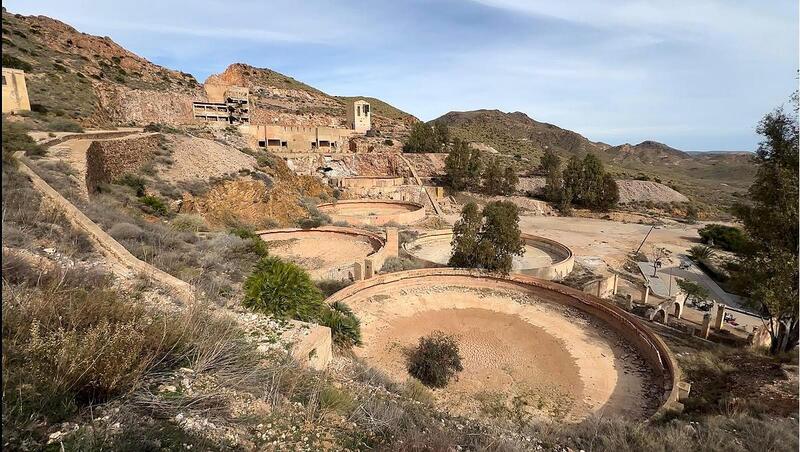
(695, 74)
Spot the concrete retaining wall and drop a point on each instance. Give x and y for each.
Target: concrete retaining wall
(404, 217)
(555, 271)
(108, 160)
(647, 343)
(369, 182)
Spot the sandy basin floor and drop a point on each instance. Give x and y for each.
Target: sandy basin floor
(439, 251)
(552, 359)
(359, 209)
(321, 252)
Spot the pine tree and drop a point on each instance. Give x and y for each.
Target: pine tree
(551, 166)
(510, 180)
(492, 178)
(465, 237)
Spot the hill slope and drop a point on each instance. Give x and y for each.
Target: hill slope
(91, 79)
(715, 179)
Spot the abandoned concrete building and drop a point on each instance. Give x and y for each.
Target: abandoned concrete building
(229, 104)
(359, 116)
(301, 139)
(15, 91)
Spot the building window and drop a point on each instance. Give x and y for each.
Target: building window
(358, 110)
(4, 80)
(366, 110)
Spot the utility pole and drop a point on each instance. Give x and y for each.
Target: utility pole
(645, 239)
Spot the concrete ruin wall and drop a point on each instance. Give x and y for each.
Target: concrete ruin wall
(108, 160)
(298, 139)
(651, 347)
(15, 91)
(369, 181)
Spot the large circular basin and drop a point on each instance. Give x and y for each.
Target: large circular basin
(542, 257)
(525, 342)
(327, 252)
(373, 211)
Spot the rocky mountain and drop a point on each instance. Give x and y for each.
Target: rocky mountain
(96, 82)
(716, 179)
(516, 132)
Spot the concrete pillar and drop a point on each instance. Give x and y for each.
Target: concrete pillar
(629, 303)
(616, 281)
(357, 273)
(706, 328)
(684, 389)
(392, 242)
(600, 289)
(719, 322)
(646, 294)
(368, 270)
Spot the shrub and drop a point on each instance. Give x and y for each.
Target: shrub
(122, 231)
(728, 238)
(16, 138)
(134, 182)
(255, 244)
(345, 326)
(282, 289)
(331, 286)
(699, 253)
(397, 264)
(435, 360)
(416, 391)
(64, 125)
(156, 204)
(189, 222)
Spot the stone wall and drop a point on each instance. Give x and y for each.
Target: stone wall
(108, 160)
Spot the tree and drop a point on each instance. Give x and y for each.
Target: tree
(465, 237)
(728, 238)
(487, 240)
(591, 182)
(573, 179)
(551, 166)
(492, 178)
(510, 180)
(435, 360)
(457, 165)
(693, 290)
(474, 167)
(609, 193)
(442, 133)
(769, 265)
(499, 239)
(422, 139)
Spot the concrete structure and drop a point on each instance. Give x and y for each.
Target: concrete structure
(705, 330)
(373, 212)
(647, 344)
(227, 104)
(368, 181)
(543, 258)
(15, 91)
(283, 139)
(392, 242)
(311, 344)
(369, 271)
(316, 250)
(719, 321)
(359, 116)
(602, 287)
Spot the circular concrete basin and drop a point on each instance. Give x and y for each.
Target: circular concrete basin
(327, 252)
(565, 354)
(374, 212)
(542, 258)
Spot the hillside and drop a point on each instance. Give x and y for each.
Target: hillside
(91, 79)
(95, 82)
(717, 180)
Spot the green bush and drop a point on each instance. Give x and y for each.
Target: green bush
(728, 238)
(255, 244)
(435, 360)
(397, 264)
(155, 203)
(64, 125)
(134, 182)
(16, 138)
(284, 290)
